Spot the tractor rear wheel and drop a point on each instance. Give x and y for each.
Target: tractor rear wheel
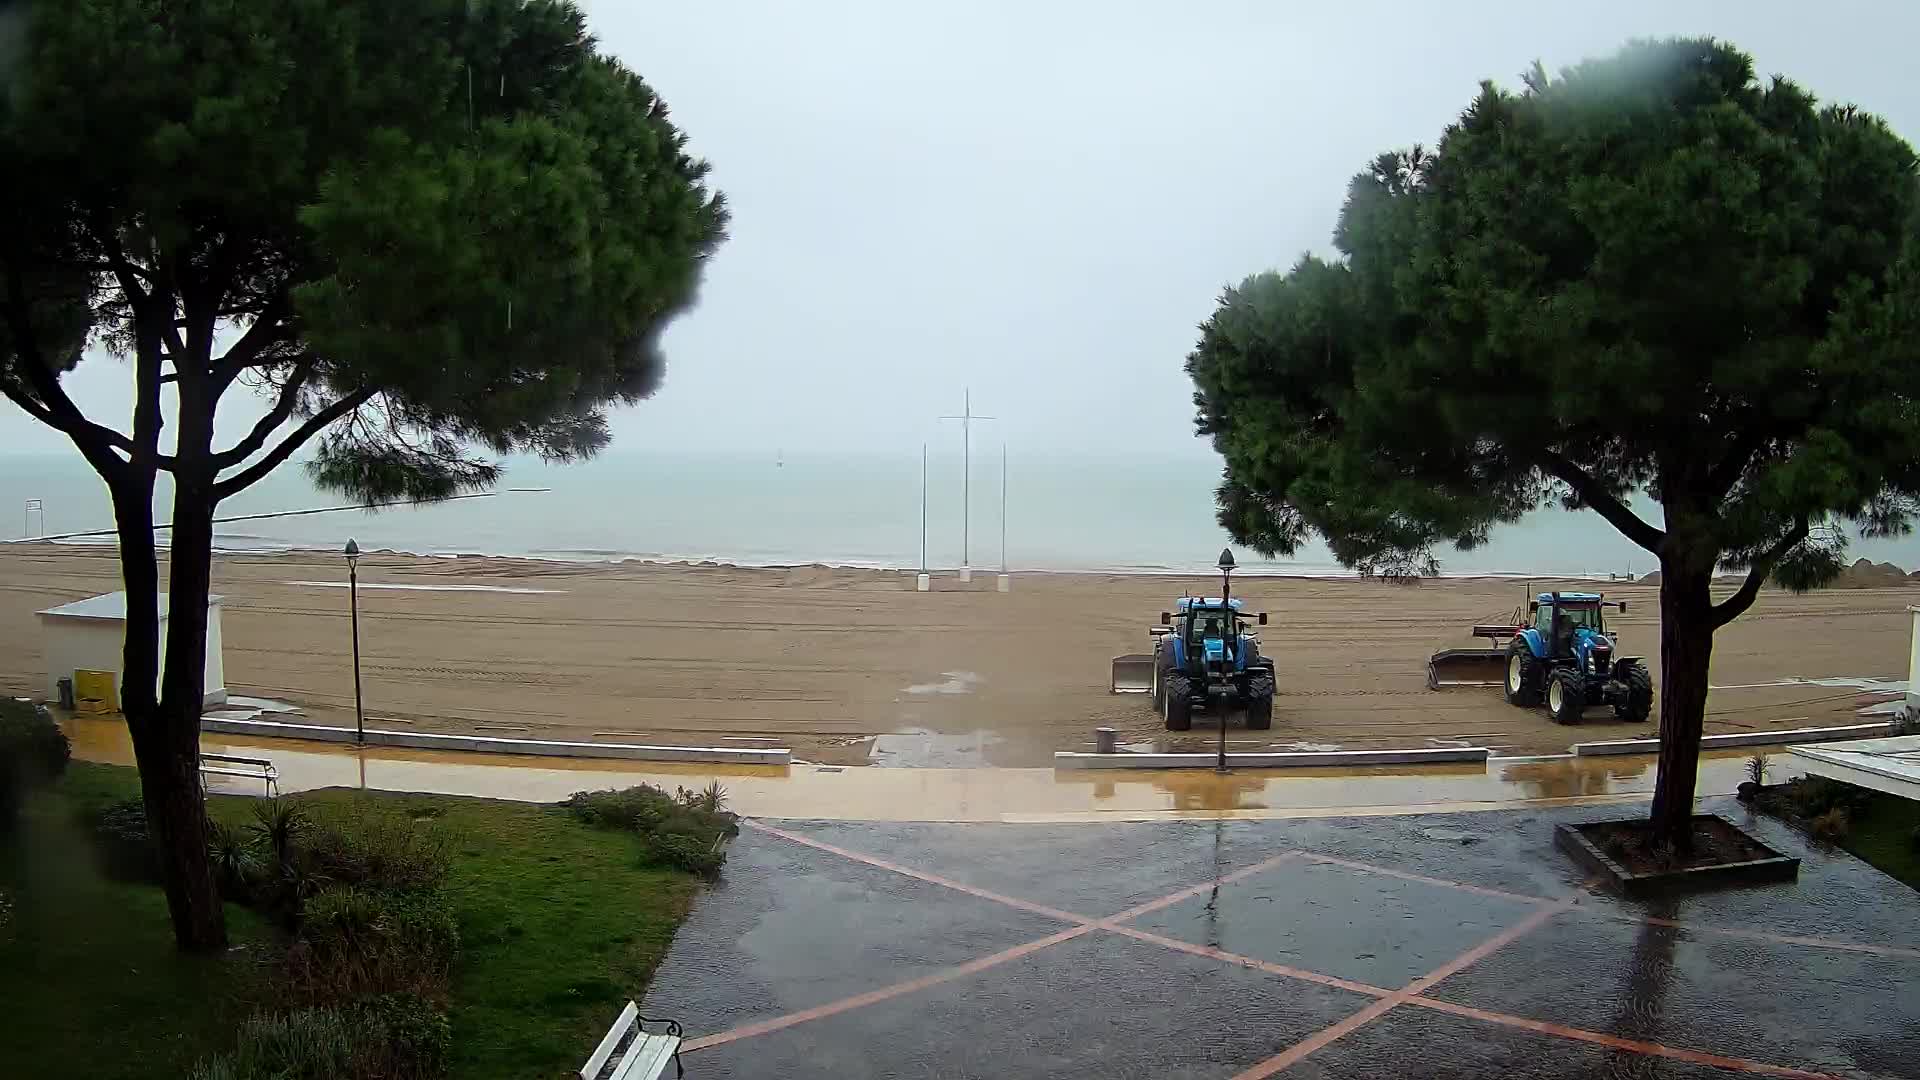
(1638, 703)
(1566, 696)
(1523, 674)
(1178, 708)
(1260, 700)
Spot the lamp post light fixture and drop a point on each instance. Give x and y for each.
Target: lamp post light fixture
(353, 604)
(1232, 643)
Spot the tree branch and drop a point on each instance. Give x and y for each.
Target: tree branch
(282, 411)
(268, 328)
(1736, 605)
(1724, 474)
(56, 409)
(315, 424)
(1601, 500)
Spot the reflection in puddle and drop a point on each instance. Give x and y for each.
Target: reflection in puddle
(918, 748)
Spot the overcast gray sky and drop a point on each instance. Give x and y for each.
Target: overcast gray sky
(1042, 200)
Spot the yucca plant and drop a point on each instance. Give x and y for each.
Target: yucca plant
(279, 823)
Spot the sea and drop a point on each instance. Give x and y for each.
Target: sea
(1053, 513)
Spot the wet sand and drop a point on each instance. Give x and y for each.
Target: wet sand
(824, 660)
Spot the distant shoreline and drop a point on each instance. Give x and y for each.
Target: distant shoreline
(1306, 571)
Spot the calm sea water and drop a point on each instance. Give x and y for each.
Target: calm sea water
(1148, 516)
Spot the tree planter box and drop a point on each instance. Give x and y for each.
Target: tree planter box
(1766, 867)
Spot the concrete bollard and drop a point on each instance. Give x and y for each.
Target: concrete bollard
(1003, 584)
(923, 582)
(966, 574)
(1106, 740)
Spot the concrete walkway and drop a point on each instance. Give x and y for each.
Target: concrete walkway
(1447, 945)
(961, 795)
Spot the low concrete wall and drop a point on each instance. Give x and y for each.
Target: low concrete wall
(423, 740)
(1747, 738)
(1289, 760)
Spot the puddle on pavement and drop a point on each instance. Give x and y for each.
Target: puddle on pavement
(919, 748)
(952, 682)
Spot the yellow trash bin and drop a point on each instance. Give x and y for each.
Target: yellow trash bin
(94, 692)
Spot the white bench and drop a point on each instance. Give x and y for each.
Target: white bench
(251, 768)
(629, 1052)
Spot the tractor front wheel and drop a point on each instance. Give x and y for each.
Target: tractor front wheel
(1179, 707)
(1523, 674)
(1638, 703)
(1566, 696)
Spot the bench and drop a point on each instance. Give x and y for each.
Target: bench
(250, 768)
(630, 1052)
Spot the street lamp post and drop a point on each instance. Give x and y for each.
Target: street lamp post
(1232, 640)
(353, 604)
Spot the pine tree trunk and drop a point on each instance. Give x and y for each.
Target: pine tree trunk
(1686, 652)
(165, 749)
(192, 894)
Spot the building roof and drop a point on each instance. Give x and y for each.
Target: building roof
(1891, 764)
(112, 606)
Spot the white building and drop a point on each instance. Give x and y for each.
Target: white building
(90, 635)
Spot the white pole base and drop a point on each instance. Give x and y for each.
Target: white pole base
(966, 574)
(923, 582)
(1003, 584)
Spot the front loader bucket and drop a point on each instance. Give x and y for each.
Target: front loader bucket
(1133, 673)
(1466, 667)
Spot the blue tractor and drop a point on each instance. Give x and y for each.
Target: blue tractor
(1566, 655)
(1204, 658)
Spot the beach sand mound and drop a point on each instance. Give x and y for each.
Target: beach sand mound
(1863, 574)
(1866, 574)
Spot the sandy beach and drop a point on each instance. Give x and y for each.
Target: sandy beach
(825, 660)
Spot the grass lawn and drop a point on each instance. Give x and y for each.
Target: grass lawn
(559, 922)
(1884, 835)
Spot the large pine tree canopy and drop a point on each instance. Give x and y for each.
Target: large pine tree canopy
(1653, 273)
(420, 225)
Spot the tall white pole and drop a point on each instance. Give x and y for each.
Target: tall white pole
(1004, 583)
(923, 582)
(966, 418)
(966, 488)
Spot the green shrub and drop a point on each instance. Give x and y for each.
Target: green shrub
(237, 865)
(120, 835)
(1813, 796)
(1831, 825)
(687, 830)
(687, 852)
(389, 1037)
(378, 851)
(639, 808)
(33, 752)
(356, 941)
(415, 1037)
(278, 824)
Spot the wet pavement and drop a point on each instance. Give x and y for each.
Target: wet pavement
(1439, 945)
(948, 794)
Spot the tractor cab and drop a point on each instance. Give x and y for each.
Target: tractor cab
(1210, 633)
(1571, 625)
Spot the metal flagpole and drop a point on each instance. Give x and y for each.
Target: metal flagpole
(1003, 583)
(923, 508)
(967, 417)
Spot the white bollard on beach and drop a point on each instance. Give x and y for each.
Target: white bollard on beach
(923, 582)
(1003, 584)
(966, 574)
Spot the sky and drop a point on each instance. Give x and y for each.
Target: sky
(1041, 201)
